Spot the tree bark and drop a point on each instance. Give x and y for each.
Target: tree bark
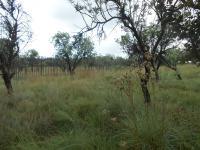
(144, 83)
(70, 68)
(157, 75)
(72, 72)
(155, 70)
(7, 77)
(146, 94)
(172, 67)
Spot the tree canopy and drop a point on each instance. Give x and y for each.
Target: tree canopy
(132, 16)
(72, 49)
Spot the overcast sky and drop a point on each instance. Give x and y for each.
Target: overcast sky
(51, 16)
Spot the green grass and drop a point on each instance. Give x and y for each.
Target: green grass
(88, 112)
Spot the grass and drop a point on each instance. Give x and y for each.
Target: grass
(89, 112)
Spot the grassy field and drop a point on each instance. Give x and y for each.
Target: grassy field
(89, 112)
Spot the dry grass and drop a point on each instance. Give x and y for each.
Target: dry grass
(88, 112)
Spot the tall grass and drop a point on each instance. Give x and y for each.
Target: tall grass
(89, 112)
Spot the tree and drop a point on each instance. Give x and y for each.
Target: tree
(31, 56)
(72, 49)
(14, 32)
(129, 45)
(195, 4)
(131, 15)
(187, 26)
(174, 55)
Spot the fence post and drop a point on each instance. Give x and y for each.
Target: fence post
(41, 66)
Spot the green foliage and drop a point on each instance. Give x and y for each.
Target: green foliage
(32, 54)
(187, 26)
(76, 47)
(106, 61)
(129, 45)
(5, 46)
(72, 49)
(61, 43)
(89, 113)
(174, 55)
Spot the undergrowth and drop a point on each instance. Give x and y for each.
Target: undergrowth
(90, 112)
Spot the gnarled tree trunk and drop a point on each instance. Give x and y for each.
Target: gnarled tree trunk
(7, 78)
(144, 79)
(145, 91)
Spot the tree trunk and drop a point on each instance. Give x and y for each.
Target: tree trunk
(145, 91)
(71, 72)
(178, 74)
(144, 83)
(156, 65)
(157, 75)
(7, 81)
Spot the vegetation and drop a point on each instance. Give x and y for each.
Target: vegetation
(31, 54)
(72, 51)
(102, 109)
(93, 112)
(165, 48)
(132, 16)
(14, 32)
(187, 26)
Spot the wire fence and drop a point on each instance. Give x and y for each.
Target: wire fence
(33, 67)
(38, 67)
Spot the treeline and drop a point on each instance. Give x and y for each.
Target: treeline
(32, 60)
(148, 44)
(98, 62)
(107, 61)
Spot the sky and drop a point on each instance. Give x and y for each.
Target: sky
(51, 16)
